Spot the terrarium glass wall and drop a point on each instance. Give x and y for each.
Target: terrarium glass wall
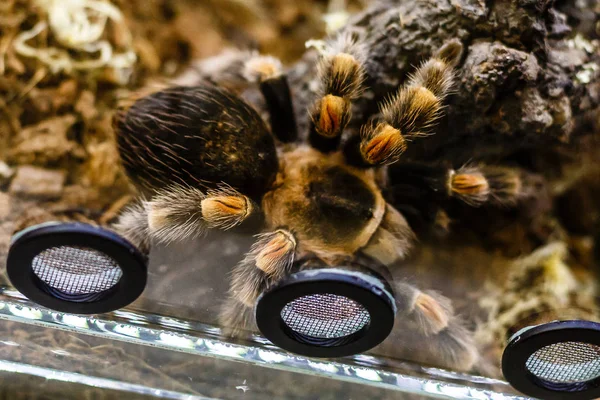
(442, 154)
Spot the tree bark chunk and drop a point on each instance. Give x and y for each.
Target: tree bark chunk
(526, 78)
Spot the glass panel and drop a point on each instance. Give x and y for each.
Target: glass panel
(156, 355)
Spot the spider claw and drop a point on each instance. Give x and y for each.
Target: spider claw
(331, 115)
(275, 255)
(225, 211)
(432, 314)
(269, 259)
(470, 185)
(381, 145)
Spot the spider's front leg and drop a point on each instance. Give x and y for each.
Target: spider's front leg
(341, 74)
(410, 113)
(269, 259)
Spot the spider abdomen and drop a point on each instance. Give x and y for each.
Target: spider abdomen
(197, 136)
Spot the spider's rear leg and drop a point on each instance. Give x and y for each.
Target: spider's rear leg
(420, 191)
(238, 70)
(430, 315)
(410, 113)
(341, 74)
(268, 72)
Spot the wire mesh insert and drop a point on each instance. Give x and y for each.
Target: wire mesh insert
(76, 270)
(325, 316)
(566, 362)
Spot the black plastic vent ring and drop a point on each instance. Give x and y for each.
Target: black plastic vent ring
(76, 268)
(327, 312)
(557, 360)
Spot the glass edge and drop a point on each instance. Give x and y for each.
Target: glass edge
(24, 311)
(102, 383)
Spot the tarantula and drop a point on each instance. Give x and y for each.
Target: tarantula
(204, 159)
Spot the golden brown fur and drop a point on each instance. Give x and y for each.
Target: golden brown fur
(392, 240)
(323, 201)
(269, 259)
(330, 115)
(341, 76)
(382, 144)
(286, 204)
(413, 110)
(470, 185)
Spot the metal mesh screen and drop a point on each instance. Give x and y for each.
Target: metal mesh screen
(566, 362)
(76, 270)
(325, 316)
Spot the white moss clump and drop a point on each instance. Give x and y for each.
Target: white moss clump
(79, 25)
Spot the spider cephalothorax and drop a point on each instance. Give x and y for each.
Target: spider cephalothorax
(203, 158)
(314, 192)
